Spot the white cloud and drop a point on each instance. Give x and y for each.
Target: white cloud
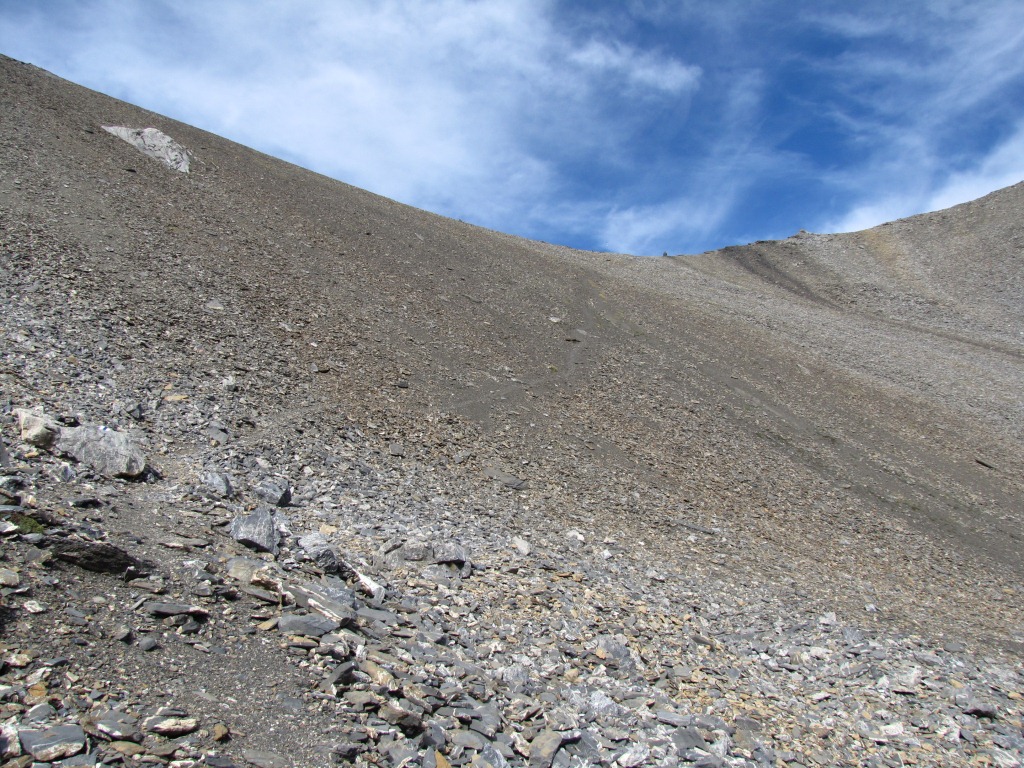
(640, 68)
(650, 230)
(461, 107)
(1002, 167)
(920, 93)
(641, 126)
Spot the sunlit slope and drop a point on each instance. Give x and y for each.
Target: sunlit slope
(792, 393)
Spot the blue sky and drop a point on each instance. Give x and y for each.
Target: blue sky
(639, 127)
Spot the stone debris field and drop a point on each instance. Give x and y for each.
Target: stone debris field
(291, 475)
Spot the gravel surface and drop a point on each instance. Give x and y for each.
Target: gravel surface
(293, 475)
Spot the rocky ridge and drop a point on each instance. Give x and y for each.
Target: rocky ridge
(293, 553)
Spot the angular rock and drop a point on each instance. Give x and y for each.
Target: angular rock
(119, 726)
(265, 759)
(489, 757)
(688, 737)
(601, 704)
(159, 608)
(40, 713)
(277, 493)
(80, 761)
(635, 756)
(979, 708)
(256, 530)
(469, 739)
(522, 546)
(127, 748)
(10, 744)
(219, 483)
(153, 143)
(672, 718)
(434, 737)
(509, 481)
(450, 552)
(406, 719)
(310, 626)
(334, 602)
(248, 570)
(53, 743)
(109, 452)
(172, 727)
(318, 549)
(544, 747)
(37, 429)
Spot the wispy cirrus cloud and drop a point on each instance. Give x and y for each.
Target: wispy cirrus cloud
(925, 104)
(640, 69)
(466, 108)
(1000, 167)
(637, 127)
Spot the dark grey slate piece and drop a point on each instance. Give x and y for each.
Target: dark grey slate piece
(509, 481)
(256, 530)
(688, 737)
(53, 743)
(275, 492)
(263, 759)
(119, 726)
(311, 625)
(330, 602)
(160, 608)
(219, 483)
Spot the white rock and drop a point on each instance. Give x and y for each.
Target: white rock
(154, 143)
(37, 429)
(521, 545)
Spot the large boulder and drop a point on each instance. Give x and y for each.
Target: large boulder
(107, 451)
(154, 143)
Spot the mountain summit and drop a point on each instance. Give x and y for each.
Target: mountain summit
(292, 473)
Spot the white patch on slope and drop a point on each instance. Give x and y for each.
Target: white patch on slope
(154, 143)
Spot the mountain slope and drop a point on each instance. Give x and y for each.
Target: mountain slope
(822, 424)
(653, 377)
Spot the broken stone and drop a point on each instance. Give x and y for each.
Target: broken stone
(265, 759)
(53, 743)
(37, 429)
(311, 626)
(256, 530)
(509, 481)
(219, 483)
(978, 708)
(172, 727)
(109, 452)
(155, 144)
(119, 726)
(522, 546)
(277, 493)
(158, 608)
(544, 747)
(334, 602)
(318, 549)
